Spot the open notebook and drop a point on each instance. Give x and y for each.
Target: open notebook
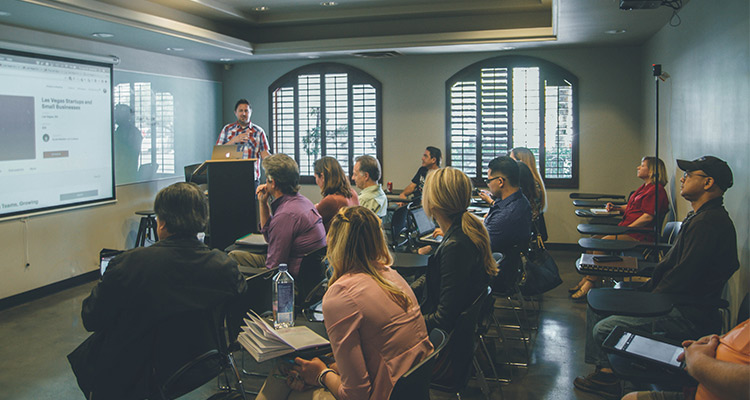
(265, 343)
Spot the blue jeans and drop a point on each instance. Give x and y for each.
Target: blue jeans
(672, 325)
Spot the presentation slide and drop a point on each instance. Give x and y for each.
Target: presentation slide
(55, 133)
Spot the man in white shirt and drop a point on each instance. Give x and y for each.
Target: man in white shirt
(366, 175)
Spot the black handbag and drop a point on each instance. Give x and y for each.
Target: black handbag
(540, 273)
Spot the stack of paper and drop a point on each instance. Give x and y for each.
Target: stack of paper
(264, 343)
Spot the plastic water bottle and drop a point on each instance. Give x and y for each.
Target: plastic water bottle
(283, 298)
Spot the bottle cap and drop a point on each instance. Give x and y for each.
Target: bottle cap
(283, 267)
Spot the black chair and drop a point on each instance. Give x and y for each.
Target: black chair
(415, 383)
(506, 288)
(189, 350)
(311, 273)
(399, 224)
(453, 367)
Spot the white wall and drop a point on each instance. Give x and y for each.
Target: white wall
(414, 114)
(66, 244)
(704, 106)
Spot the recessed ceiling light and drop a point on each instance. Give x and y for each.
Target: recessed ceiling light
(261, 9)
(226, 59)
(615, 31)
(4, 14)
(329, 4)
(103, 35)
(175, 49)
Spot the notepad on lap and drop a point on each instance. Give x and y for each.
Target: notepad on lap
(603, 211)
(253, 239)
(628, 265)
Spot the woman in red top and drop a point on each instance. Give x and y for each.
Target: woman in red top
(335, 188)
(639, 212)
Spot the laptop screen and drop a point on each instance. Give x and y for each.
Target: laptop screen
(228, 152)
(425, 224)
(105, 256)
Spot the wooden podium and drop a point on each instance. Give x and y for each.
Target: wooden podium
(231, 200)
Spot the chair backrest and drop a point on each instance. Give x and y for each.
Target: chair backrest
(744, 310)
(188, 351)
(189, 170)
(415, 383)
(670, 232)
(398, 225)
(509, 272)
(311, 272)
(454, 364)
(257, 297)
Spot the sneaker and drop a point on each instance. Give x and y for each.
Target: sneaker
(602, 384)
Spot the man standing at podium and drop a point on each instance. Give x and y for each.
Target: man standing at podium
(250, 136)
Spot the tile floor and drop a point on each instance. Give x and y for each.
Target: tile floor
(35, 338)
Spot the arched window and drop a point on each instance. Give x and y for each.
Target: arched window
(326, 109)
(512, 101)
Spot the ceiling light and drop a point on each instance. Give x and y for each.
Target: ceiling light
(226, 59)
(261, 9)
(175, 49)
(4, 14)
(615, 31)
(103, 35)
(329, 4)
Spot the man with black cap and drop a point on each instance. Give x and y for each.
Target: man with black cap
(699, 264)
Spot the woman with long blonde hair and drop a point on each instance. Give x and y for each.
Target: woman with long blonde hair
(372, 318)
(462, 265)
(538, 202)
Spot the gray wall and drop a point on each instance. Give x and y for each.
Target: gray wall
(704, 106)
(66, 244)
(414, 114)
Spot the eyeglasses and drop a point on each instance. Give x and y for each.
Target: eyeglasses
(487, 181)
(688, 174)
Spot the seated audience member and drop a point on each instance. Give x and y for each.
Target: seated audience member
(639, 212)
(509, 219)
(462, 265)
(289, 221)
(371, 316)
(335, 188)
(721, 365)
(143, 287)
(538, 199)
(366, 175)
(430, 162)
(698, 266)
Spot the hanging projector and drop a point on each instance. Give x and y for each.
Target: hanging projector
(639, 4)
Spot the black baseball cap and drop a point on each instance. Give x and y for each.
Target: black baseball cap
(714, 167)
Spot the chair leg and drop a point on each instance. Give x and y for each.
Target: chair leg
(238, 376)
(481, 379)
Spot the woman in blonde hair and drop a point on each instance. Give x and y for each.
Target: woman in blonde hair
(462, 265)
(638, 213)
(371, 315)
(335, 188)
(538, 200)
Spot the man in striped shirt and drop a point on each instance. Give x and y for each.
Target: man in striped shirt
(243, 132)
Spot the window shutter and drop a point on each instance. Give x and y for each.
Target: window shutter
(558, 131)
(495, 114)
(364, 120)
(463, 127)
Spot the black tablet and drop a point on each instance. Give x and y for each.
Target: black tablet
(645, 347)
